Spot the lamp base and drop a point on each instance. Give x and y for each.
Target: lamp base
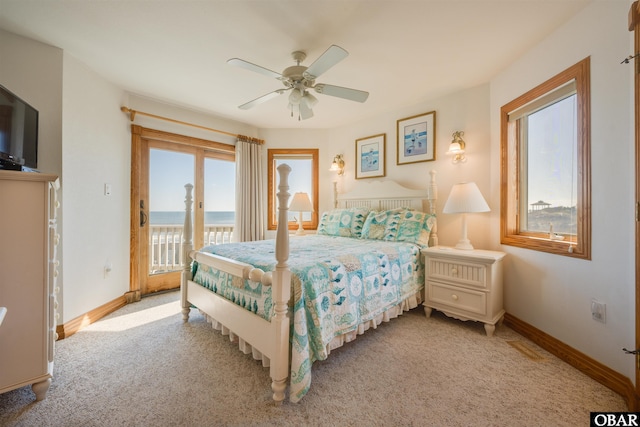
(464, 244)
(300, 231)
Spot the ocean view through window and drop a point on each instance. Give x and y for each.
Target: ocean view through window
(213, 203)
(177, 218)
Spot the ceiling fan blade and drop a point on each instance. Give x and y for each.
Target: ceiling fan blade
(261, 99)
(253, 67)
(328, 59)
(305, 111)
(342, 92)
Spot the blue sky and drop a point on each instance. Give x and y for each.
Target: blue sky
(552, 157)
(169, 171)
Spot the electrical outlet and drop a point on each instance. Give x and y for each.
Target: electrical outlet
(598, 311)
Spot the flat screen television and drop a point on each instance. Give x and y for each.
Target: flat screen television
(18, 133)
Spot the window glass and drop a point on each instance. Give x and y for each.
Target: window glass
(545, 166)
(550, 181)
(300, 180)
(219, 192)
(303, 178)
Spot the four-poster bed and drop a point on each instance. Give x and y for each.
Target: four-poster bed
(290, 302)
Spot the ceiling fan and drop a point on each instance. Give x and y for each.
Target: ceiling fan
(298, 79)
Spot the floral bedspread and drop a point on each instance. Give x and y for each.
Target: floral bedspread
(338, 283)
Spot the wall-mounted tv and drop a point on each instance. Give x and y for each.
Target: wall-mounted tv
(18, 133)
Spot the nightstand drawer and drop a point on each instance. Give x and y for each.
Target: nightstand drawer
(460, 273)
(457, 298)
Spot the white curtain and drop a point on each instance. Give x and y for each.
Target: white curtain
(250, 192)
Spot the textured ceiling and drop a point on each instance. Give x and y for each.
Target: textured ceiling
(402, 52)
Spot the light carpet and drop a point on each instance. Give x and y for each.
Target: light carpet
(142, 366)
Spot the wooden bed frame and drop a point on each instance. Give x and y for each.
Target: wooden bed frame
(269, 340)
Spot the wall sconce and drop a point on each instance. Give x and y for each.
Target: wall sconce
(456, 148)
(337, 165)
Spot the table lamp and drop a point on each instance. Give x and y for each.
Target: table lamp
(300, 203)
(465, 198)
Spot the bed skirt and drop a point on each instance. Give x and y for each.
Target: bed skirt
(392, 312)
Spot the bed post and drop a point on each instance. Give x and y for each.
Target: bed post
(281, 291)
(187, 247)
(433, 196)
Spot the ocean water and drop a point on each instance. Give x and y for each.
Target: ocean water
(177, 217)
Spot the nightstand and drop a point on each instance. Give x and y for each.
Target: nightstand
(464, 284)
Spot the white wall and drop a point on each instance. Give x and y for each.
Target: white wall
(84, 138)
(33, 71)
(177, 113)
(463, 111)
(467, 111)
(551, 292)
(95, 151)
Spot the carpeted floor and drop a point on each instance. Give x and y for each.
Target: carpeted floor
(141, 366)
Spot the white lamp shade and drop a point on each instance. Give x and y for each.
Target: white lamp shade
(301, 203)
(465, 197)
(455, 148)
(295, 96)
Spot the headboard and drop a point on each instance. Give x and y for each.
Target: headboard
(388, 194)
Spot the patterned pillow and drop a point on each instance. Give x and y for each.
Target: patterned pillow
(382, 225)
(343, 222)
(415, 227)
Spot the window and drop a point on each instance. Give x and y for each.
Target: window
(303, 178)
(546, 166)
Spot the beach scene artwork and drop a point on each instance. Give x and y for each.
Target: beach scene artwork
(370, 158)
(415, 139)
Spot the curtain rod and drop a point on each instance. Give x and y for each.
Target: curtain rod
(132, 115)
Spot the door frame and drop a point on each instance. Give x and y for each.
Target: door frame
(634, 25)
(139, 150)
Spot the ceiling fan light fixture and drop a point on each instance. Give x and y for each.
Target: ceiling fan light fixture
(309, 100)
(295, 97)
(299, 79)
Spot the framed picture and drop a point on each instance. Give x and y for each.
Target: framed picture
(370, 156)
(417, 139)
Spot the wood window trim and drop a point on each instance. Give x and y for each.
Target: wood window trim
(509, 171)
(272, 155)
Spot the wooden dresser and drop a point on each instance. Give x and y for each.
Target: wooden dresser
(28, 270)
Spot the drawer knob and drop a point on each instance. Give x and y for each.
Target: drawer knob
(454, 297)
(454, 271)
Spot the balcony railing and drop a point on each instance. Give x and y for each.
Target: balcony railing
(165, 242)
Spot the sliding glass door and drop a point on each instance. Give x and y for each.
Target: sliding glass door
(158, 208)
